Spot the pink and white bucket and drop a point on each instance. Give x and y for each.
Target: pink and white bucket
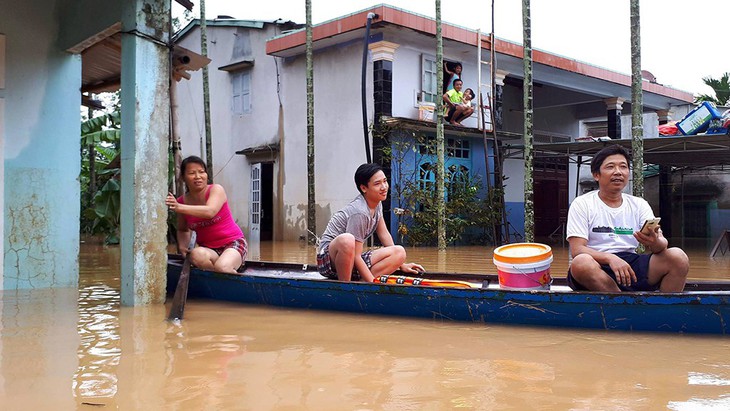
(524, 266)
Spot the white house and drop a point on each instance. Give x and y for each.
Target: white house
(258, 110)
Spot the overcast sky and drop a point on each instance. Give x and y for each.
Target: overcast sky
(677, 44)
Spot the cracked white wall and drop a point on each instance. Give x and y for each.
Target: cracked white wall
(41, 151)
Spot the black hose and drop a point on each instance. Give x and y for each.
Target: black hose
(364, 76)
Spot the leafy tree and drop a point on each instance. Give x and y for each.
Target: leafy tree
(721, 88)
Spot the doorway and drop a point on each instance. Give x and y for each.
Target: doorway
(550, 196)
(262, 202)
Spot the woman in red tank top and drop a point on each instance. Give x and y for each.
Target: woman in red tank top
(204, 209)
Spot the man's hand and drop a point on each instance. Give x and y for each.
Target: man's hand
(411, 268)
(624, 273)
(654, 241)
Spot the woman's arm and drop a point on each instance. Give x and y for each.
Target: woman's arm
(212, 206)
(183, 235)
(446, 69)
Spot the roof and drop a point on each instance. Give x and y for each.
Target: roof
(352, 26)
(678, 151)
(228, 22)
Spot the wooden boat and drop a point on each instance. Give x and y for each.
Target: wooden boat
(704, 307)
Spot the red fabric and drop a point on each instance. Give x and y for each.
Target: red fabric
(669, 129)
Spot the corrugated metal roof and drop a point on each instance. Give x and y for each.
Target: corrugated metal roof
(681, 151)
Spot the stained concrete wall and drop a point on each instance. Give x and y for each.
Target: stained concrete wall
(339, 141)
(338, 125)
(41, 153)
(232, 132)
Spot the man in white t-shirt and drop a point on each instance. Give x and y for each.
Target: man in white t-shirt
(604, 231)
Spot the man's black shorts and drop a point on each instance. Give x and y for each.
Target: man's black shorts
(638, 262)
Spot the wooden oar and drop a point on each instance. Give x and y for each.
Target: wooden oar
(181, 292)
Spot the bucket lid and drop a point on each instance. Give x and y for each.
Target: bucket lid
(522, 253)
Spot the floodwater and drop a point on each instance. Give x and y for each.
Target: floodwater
(68, 349)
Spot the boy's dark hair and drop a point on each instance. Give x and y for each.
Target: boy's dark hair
(471, 92)
(364, 173)
(600, 157)
(453, 83)
(192, 160)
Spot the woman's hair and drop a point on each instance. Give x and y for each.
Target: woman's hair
(600, 157)
(364, 173)
(192, 160)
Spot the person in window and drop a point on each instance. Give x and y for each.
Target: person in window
(604, 230)
(204, 209)
(340, 254)
(452, 71)
(455, 109)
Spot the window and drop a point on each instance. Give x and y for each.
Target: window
(426, 176)
(241, 85)
(457, 167)
(429, 89)
(457, 148)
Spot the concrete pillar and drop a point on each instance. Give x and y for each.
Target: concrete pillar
(383, 54)
(145, 131)
(664, 116)
(499, 76)
(2, 156)
(613, 107)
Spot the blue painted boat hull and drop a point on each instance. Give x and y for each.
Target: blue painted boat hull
(297, 286)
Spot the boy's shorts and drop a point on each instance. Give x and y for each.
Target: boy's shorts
(638, 262)
(327, 269)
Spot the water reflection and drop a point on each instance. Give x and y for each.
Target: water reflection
(232, 356)
(95, 382)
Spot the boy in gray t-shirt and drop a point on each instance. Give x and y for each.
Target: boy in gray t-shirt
(340, 254)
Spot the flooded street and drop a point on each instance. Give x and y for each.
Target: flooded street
(69, 349)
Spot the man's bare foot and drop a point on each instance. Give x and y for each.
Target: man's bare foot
(454, 123)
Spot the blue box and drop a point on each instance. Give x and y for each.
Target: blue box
(698, 120)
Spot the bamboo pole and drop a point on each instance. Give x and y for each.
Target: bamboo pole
(311, 211)
(440, 169)
(528, 137)
(206, 93)
(637, 104)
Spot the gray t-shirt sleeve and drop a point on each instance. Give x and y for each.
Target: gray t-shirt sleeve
(357, 225)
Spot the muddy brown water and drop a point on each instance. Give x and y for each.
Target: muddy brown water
(77, 349)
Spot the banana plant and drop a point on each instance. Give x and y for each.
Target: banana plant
(100, 207)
